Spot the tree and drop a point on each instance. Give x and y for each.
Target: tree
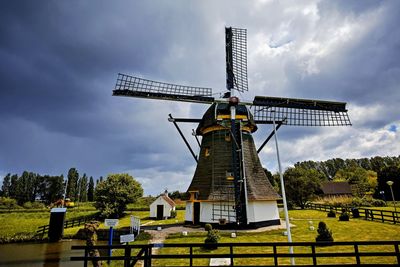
(83, 187)
(13, 187)
(391, 173)
(72, 187)
(5, 188)
(357, 177)
(90, 193)
(113, 194)
(302, 184)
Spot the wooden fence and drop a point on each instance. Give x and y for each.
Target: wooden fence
(376, 253)
(68, 224)
(369, 214)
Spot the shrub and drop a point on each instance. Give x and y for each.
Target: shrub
(27, 205)
(8, 203)
(212, 238)
(344, 216)
(378, 203)
(324, 234)
(173, 213)
(208, 227)
(331, 213)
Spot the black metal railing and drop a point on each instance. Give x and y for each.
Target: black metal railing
(367, 213)
(362, 253)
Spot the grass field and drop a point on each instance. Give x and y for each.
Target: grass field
(354, 230)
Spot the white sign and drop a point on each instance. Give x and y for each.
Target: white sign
(111, 222)
(126, 238)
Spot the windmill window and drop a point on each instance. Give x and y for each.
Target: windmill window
(207, 152)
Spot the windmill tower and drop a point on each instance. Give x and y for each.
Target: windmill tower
(229, 185)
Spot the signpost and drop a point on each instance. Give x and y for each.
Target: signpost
(110, 223)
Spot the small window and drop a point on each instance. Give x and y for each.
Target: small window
(207, 152)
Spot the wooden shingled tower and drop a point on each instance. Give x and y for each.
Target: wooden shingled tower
(229, 186)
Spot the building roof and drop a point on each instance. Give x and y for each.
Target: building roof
(168, 200)
(336, 188)
(215, 160)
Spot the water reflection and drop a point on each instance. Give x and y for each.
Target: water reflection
(40, 254)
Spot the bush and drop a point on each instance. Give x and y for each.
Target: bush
(27, 205)
(173, 213)
(332, 213)
(344, 216)
(378, 203)
(324, 234)
(8, 203)
(208, 227)
(212, 238)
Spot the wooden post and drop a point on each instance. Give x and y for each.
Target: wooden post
(314, 257)
(357, 255)
(275, 256)
(231, 252)
(127, 259)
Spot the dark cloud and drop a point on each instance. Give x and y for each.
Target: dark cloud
(59, 62)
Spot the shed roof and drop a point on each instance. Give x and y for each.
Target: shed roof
(168, 200)
(336, 188)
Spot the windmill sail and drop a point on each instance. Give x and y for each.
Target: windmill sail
(236, 59)
(137, 87)
(299, 112)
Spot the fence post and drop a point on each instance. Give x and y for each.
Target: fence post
(314, 257)
(191, 256)
(127, 259)
(396, 248)
(383, 219)
(394, 217)
(231, 252)
(86, 258)
(275, 256)
(357, 255)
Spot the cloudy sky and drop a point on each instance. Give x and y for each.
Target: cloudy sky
(59, 61)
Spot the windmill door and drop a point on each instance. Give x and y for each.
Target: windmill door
(160, 212)
(196, 212)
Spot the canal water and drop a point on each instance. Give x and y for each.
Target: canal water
(40, 254)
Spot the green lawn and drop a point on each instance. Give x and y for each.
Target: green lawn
(354, 230)
(19, 224)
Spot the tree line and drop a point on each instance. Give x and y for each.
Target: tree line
(366, 177)
(30, 187)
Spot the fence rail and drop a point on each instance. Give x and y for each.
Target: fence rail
(68, 224)
(363, 253)
(369, 214)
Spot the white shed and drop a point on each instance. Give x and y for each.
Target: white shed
(162, 207)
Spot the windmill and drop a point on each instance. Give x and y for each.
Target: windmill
(229, 185)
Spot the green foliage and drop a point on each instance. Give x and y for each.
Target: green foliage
(344, 216)
(331, 213)
(302, 185)
(357, 177)
(173, 213)
(72, 187)
(113, 194)
(90, 193)
(212, 237)
(389, 173)
(367, 202)
(5, 188)
(324, 234)
(208, 227)
(8, 203)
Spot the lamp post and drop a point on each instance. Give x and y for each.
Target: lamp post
(390, 183)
